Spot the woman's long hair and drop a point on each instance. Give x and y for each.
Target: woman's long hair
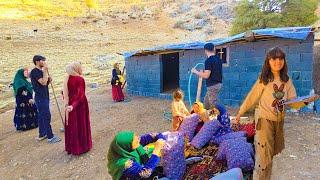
(115, 66)
(266, 75)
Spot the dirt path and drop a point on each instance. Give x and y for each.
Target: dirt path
(22, 157)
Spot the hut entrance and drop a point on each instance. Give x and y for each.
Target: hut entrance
(170, 72)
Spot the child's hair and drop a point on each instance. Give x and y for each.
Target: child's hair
(266, 75)
(178, 94)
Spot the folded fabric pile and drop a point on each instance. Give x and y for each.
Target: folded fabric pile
(173, 161)
(249, 129)
(238, 153)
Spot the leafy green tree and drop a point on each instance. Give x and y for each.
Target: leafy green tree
(259, 14)
(299, 13)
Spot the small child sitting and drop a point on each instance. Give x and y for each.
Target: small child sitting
(179, 110)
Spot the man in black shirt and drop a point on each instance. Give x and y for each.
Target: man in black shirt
(212, 74)
(40, 80)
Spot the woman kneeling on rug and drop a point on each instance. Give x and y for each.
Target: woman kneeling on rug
(128, 159)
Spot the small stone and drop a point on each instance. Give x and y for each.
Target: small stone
(293, 156)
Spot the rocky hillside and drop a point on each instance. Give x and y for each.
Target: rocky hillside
(201, 19)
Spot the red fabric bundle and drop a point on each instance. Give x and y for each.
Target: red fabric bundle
(249, 129)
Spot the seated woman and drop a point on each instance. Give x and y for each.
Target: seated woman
(128, 159)
(199, 109)
(224, 118)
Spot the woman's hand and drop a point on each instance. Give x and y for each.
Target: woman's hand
(31, 101)
(160, 136)
(238, 118)
(69, 108)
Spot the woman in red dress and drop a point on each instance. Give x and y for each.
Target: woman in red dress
(77, 124)
(116, 82)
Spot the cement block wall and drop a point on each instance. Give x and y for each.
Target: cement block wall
(245, 63)
(189, 59)
(144, 75)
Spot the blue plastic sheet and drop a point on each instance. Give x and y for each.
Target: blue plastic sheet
(297, 33)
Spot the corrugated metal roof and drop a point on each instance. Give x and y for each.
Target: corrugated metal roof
(297, 33)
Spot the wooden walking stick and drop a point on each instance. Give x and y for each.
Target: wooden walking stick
(125, 81)
(199, 89)
(55, 97)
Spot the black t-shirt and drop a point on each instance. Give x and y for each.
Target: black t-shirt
(40, 90)
(214, 64)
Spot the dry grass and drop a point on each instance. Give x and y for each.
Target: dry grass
(63, 40)
(31, 9)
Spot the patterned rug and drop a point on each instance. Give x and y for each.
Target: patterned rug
(209, 166)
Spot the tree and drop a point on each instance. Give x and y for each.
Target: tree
(299, 13)
(271, 6)
(259, 14)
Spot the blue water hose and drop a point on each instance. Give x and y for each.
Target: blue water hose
(189, 88)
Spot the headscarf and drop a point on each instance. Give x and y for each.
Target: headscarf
(121, 151)
(72, 69)
(21, 81)
(222, 110)
(117, 68)
(204, 116)
(224, 120)
(201, 107)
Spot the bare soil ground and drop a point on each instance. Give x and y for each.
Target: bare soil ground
(63, 40)
(22, 157)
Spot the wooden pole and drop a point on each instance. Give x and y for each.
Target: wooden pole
(55, 97)
(199, 89)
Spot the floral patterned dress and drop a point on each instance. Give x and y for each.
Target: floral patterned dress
(25, 116)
